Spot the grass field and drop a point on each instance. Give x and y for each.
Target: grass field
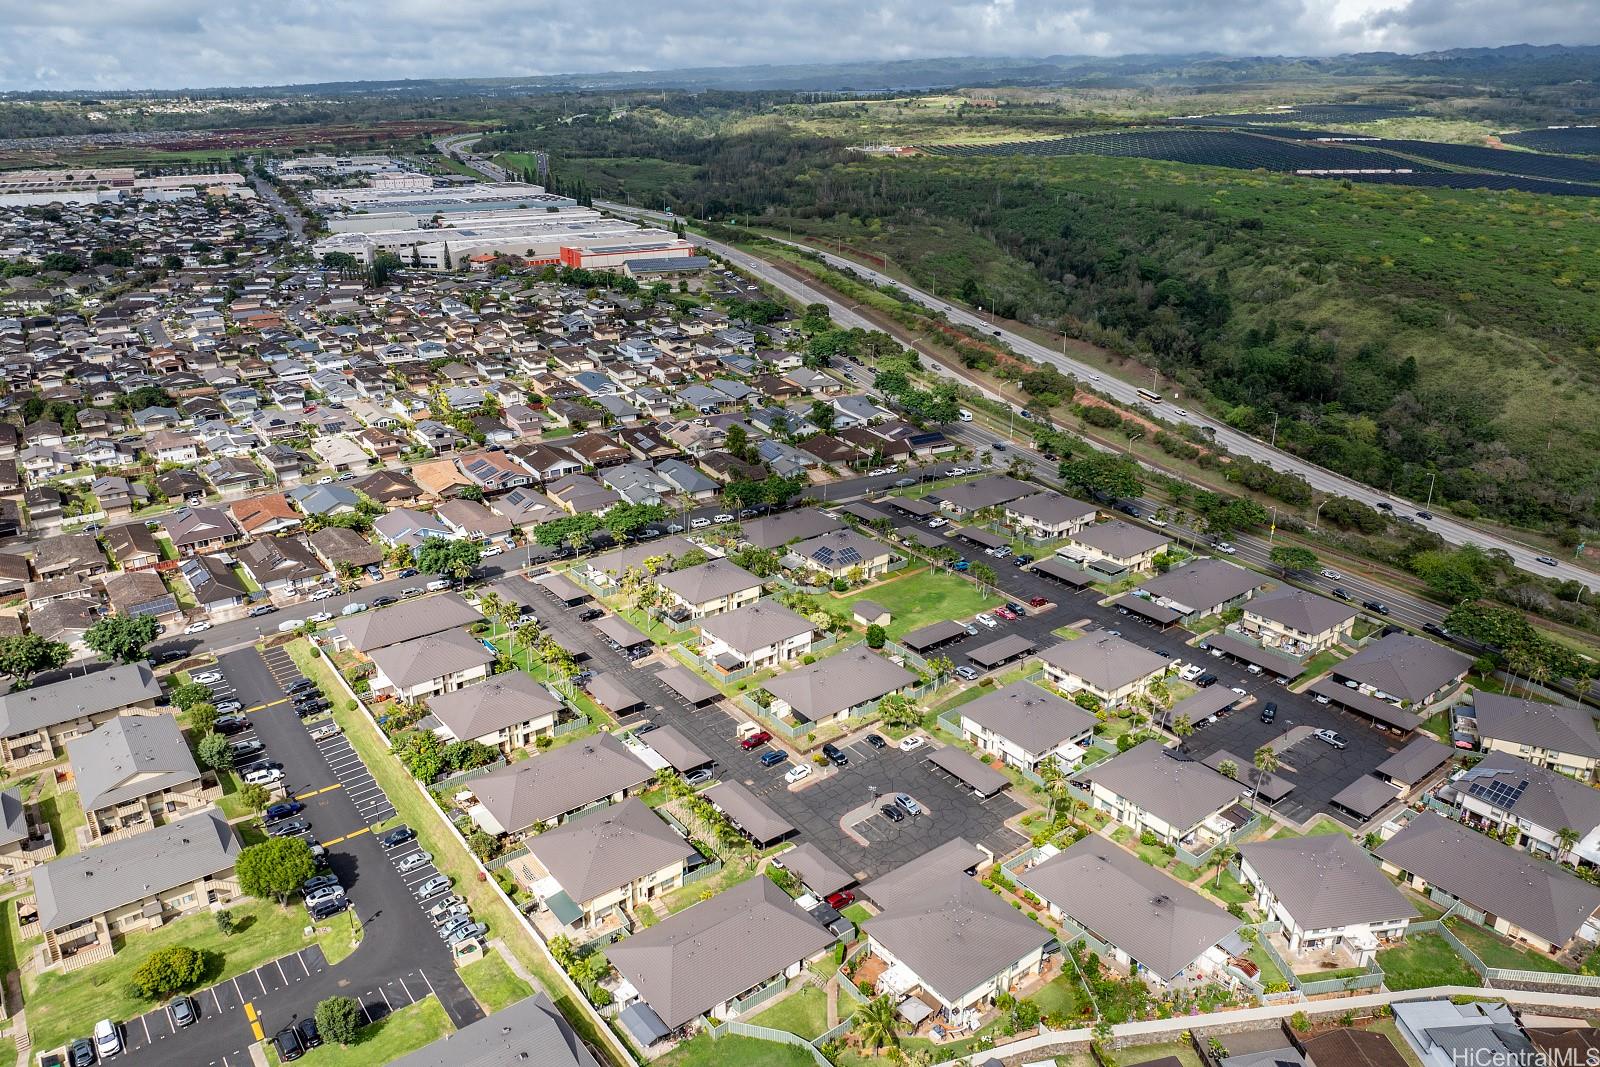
(1496, 951)
(744, 1051)
(64, 1006)
(391, 1037)
(803, 1012)
(1423, 960)
(917, 599)
(1320, 827)
(494, 983)
(62, 811)
(1064, 996)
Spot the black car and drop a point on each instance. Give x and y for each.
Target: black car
(300, 685)
(591, 615)
(835, 755)
(379, 602)
(1269, 712)
(285, 810)
(877, 742)
(167, 655)
(287, 1043)
(1340, 593)
(307, 1029)
(1206, 681)
(288, 828)
(1376, 605)
(81, 1053)
(329, 908)
(230, 724)
(893, 813)
(1128, 509)
(398, 836)
(409, 572)
(1435, 629)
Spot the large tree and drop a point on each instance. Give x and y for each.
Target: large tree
(24, 655)
(448, 558)
(214, 752)
(1103, 474)
(122, 638)
(339, 1020)
(276, 868)
(1293, 558)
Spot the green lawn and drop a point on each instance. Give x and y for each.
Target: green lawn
(1424, 960)
(803, 1012)
(1228, 889)
(1270, 971)
(13, 946)
(1315, 975)
(920, 598)
(494, 983)
(1495, 951)
(449, 856)
(1322, 661)
(702, 1051)
(1438, 724)
(391, 1037)
(856, 913)
(63, 813)
(1064, 996)
(64, 1006)
(1321, 827)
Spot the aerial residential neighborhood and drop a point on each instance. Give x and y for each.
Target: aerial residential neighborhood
(452, 617)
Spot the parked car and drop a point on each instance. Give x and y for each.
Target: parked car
(285, 810)
(438, 584)
(841, 900)
(324, 894)
(1269, 712)
(329, 908)
(287, 1044)
(262, 609)
(228, 707)
(755, 740)
(288, 827)
(986, 620)
(835, 755)
(798, 773)
(773, 758)
(321, 617)
(325, 731)
(411, 591)
(441, 908)
(353, 608)
(724, 517)
(468, 932)
(1206, 681)
(966, 673)
(206, 677)
(81, 1053)
(1331, 737)
(906, 804)
(449, 927)
(183, 1011)
(384, 601)
(299, 685)
(409, 572)
(245, 748)
(413, 862)
(107, 1038)
(398, 836)
(700, 777)
(229, 724)
(877, 742)
(197, 627)
(893, 813)
(322, 594)
(591, 614)
(1038, 602)
(309, 1035)
(316, 882)
(912, 743)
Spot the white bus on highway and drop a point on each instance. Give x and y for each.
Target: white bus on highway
(1150, 395)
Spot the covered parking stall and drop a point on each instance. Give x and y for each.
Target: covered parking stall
(1365, 797)
(1379, 712)
(933, 636)
(624, 633)
(1273, 663)
(1060, 570)
(982, 779)
(1148, 610)
(998, 653)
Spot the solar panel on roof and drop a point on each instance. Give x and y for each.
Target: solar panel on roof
(1500, 793)
(849, 555)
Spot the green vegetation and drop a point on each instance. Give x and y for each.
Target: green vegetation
(494, 983)
(1495, 951)
(803, 1012)
(1423, 960)
(391, 1037)
(64, 814)
(1321, 826)
(702, 1051)
(917, 599)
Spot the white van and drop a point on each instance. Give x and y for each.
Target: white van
(963, 414)
(107, 1039)
(745, 730)
(438, 584)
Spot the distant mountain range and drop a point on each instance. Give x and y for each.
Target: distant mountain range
(1517, 65)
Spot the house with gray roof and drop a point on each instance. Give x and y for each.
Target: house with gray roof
(759, 635)
(1445, 1034)
(1048, 516)
(1404, 670)
(1108, 668)
(216, 586)
(843, 553)
(955, 941)
(1327, 892)
(1203, 587)
(1026, 725)
(1503, 793)
(1558, 736)
(1519, 896)
(836, 687)
(1114, 548)
(133, 884)
(1158, 927)
(506, 711)
(606, 862)
(134, 772)
(554, 785)
(990, 491)
(1180, 800)
(405, 621)
(409, 527)
(531, 1031)
(1297, 621)
(36, 723)
(423, 666)
(712, 958)
(785, 527)
(201, 529)
(25, 838)
(709, 588)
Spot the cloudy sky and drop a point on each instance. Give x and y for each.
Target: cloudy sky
(127, 44)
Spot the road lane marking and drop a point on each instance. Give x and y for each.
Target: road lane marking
(269, 704)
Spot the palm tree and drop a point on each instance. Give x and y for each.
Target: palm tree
(1182, 727)
(1566, 838)
(876, 1024)
(1221, 856)
(489, 604)
(1266, 761)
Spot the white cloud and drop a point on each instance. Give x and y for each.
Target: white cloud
(58, 44)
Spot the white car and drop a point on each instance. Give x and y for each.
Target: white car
(699, 522)
(912, 743)
(934, 524)
(322, 594)
(1332, 575)
(955, 472)
(206, 677)
(326, 479)
(1241, 691)
(724, 517)
(1191, 672)
(878, 472)
(438, 584)
(322, 616)
(197, 627)
(1226, 549)
(1159, 524)
(798, 773)
(264, 776)
(492, 550)
(986, 620)
(353, 608)
(963, 414)
(1180, 412)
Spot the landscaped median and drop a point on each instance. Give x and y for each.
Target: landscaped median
(404, 1031)
(414, 807)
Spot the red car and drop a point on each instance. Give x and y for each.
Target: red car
(840, 900)
(1038, 602)
(755, 740)
(1005, 613)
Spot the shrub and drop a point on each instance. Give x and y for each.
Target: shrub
(339, 1019)
(168, 971)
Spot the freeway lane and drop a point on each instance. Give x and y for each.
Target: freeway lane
(1451, 530)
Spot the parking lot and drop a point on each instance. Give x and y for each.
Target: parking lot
(401, 958)
(818, 805)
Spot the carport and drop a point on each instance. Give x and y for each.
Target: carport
(1274, 663)
(819, 874)
(919, 536)
(1148, 610)
(613, 694)
(1270, 788)
(1379, 711)
(518, 590)
(689, 685)
(916, 507)
(1365, 797)
(563, 588)
(1414, 763)
(999, 653)
(1059, 570)
(865, 512)
(1202, 705)
(925, 640)
(682, 754)
(981, 538)
(981, 778)
(621, 631)
(759, 822)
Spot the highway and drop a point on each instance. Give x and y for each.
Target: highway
(1453, 531)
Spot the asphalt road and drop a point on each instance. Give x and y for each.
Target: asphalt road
(400, 959)
(1452, 530)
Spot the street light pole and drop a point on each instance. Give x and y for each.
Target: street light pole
(1274, 442)
(1317, 518)
(1131, 440)
(1431, 476)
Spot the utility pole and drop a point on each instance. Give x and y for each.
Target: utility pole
(1274, 443)
(1429, 504)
